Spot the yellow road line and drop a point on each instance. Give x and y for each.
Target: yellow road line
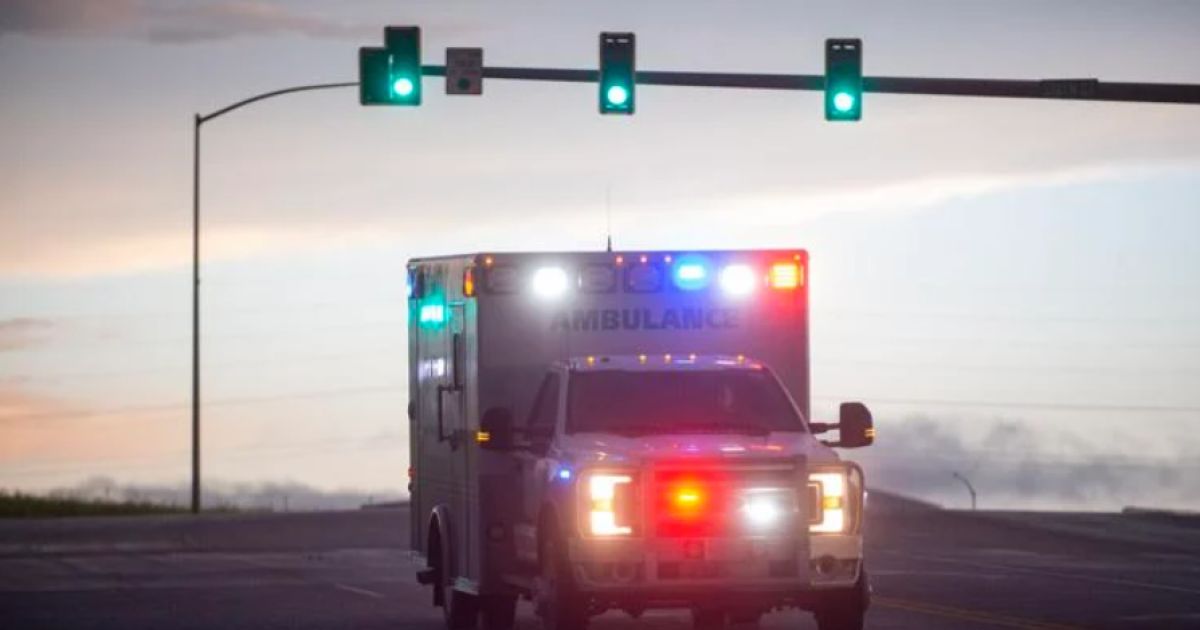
(964, 614)
(360, 591)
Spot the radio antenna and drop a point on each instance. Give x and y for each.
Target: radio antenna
(608, 215)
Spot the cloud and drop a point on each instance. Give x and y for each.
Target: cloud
(1012, 464)
(168, 22)
(23, 332)
(66, 17)
(524, 151)
(906, 195)
(50, 440)
(95, 252)
(35, 428)
(157, 251)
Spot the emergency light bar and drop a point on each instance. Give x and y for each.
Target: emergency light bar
(737, 278)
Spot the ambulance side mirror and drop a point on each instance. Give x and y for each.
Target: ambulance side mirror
(855, 426)
(497, 425)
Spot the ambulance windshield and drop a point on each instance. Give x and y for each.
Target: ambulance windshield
(689, 401)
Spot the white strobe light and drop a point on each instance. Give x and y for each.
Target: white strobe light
(762, 511)
(550, 282)
(738, 279)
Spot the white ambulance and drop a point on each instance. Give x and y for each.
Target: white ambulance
(624, 431)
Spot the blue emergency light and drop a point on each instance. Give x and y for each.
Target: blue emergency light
(691, 273)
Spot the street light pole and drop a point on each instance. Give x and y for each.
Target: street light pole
(196, 313)
(970, 488)
(197, 121)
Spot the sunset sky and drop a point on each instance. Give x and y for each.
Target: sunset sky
(1012, 286)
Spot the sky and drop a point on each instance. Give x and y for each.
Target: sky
(1012, 286)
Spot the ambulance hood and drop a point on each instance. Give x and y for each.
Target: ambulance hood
(613, 449)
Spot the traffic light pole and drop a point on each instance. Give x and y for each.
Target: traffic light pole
(1068, 89)
(197, 121)
(196, 313)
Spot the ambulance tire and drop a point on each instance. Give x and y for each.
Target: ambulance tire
(459, 610)
(556, 601)
(498, 612)
(845, 610)
(745, 620)
(847, 618)
(708, 618)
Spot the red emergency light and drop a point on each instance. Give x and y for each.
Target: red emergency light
(689, 504)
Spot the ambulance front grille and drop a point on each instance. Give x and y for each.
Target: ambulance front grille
(715, 500)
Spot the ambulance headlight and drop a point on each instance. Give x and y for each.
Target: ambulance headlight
(738, 280)
(832, 503)
(608, 504)
(550, 282)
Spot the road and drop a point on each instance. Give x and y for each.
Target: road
(932, 570)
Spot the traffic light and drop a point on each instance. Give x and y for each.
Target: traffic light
(403, 44)
(843, 79)
(372, 76)
(618, 76)
(392, 75)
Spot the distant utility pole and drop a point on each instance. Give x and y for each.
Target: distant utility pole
(970, 488)
(197, 121)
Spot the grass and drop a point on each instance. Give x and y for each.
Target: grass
(20, 505)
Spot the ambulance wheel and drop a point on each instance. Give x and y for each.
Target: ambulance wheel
(848, 618)
(556, 600)
(498, 612)
(708, 618)
(845, 610)
(744, 620)
(459, 610)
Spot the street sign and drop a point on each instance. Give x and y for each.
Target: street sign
(464, 71)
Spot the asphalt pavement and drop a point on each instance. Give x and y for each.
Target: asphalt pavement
(932, 569)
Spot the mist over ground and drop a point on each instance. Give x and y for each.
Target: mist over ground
(1006, 461)
(272, 496)
(1012, 466)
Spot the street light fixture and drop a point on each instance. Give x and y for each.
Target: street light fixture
(970, 488)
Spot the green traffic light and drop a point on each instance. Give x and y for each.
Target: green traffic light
(843, 102)
(618, 74)
(617, 95)
(843, 80)
(403, 86)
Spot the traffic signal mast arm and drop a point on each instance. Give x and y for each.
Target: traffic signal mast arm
(1070, 89)
(265, 95)
(1074, 89)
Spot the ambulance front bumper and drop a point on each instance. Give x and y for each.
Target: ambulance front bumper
(651, 567)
